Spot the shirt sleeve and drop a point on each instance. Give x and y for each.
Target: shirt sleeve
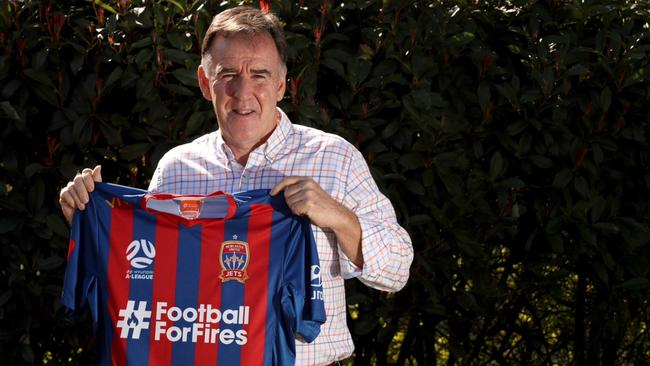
(386, 247)
(302, 295)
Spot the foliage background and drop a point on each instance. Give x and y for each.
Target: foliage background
(512, 137)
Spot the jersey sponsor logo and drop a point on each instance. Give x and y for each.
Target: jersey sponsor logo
(234, 259)
(316, 283)
(190, 208)
(134, 320)
(140, 254)
(175, 324)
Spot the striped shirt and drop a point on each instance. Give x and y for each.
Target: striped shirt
(207, 164)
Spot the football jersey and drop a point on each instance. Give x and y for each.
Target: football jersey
(194, 279)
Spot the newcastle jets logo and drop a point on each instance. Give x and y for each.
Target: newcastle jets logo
(234, 259)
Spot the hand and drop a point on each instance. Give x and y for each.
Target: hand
(75, 194)
(305, 197)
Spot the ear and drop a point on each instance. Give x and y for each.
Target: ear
(282, 83)
(204, 83)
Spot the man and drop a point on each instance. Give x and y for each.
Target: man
(243, 75)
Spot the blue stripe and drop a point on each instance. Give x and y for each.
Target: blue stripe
(144, 227)
(98, 302)
(232, 295)
(279, 230)
(187, 291)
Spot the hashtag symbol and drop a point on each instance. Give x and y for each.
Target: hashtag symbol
(136, 319)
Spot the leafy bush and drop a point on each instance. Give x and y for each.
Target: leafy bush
(510, 136)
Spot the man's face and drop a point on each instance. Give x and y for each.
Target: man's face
(244, 81)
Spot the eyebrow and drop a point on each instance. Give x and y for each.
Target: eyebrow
(228, 70)
(261, 71)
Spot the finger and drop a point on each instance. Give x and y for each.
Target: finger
(65, 197)
(297, 205)
(68, 212)
(97, 173)
(78, 201)
(79, 189)
(89, 183)
(283, 184)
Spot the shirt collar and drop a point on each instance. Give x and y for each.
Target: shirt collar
(271, 148)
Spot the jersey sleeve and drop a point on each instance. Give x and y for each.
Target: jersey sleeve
(302, 294)
(79, 282)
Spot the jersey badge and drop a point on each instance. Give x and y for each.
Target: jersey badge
(234, 259)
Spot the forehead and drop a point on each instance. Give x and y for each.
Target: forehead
(258, 49)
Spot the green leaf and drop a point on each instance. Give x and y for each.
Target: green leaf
(187, 77)
(607, 227)
(36, 195)
(562, 178)
(134, 151)
(577, 69)
(113, 77)
(195, 123)
(105, 6)
(334, 65)
(415, 187)
(179, 57)
(497, 166)
(143, 42)
(581, 186)
(9, 110)
(634, 284)
(605, 99)
(32, 169)
(7, 224)
(49, 263)
(412, 160)
(39, 76)
(57, 225)
(178, 5)
(178, 89)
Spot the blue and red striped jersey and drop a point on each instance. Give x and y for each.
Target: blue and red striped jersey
(194, 279)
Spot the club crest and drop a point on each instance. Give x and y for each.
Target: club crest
(234, 259)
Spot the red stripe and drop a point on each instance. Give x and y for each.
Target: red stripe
(212, 236)
(121, 235)
(164, 286)
(71, 247)
(256, 292)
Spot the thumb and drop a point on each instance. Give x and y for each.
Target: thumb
(97, 173)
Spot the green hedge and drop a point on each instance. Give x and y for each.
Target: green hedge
(512, 138)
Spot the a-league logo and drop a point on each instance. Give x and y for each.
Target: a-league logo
(133, 250)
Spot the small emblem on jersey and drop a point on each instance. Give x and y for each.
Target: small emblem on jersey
(316, 283)
(137, 247)
(190, 209)
(316, 280)
(234, 259)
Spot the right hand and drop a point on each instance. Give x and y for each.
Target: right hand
(75, 194)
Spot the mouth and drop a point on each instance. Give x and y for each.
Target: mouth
(243, 112)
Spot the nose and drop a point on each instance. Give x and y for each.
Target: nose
(239, 87)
